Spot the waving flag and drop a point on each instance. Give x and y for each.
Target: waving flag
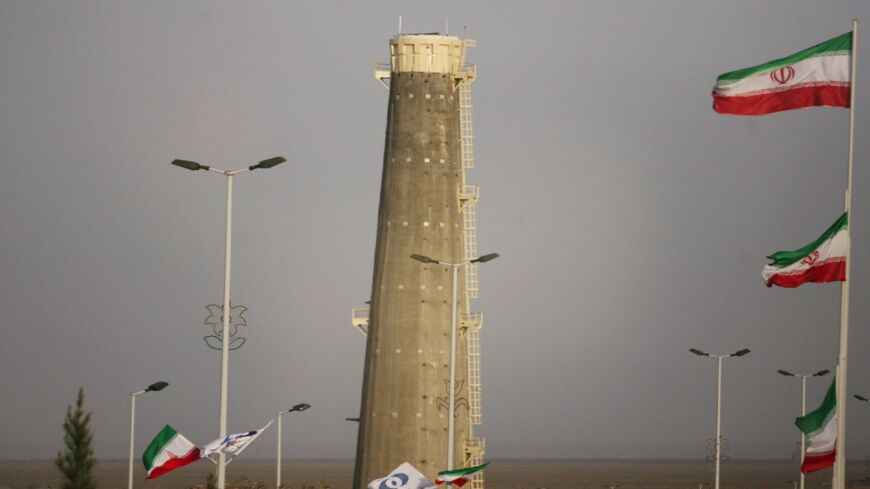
(233, 444)
(819, 75)
(459, 477)
(823, 260)
(820, 427)
(168, 451)
(404, 476)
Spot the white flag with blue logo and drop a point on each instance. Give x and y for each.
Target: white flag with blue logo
(404, 476)
(232, 444)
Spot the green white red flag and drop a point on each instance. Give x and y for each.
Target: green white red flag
(459, 477)
(823, 260)
(820, 428)
(168, 451)
(816, 76)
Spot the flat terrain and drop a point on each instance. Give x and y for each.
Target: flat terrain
(502, 474)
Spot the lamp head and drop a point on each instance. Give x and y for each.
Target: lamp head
(423, 258)
(157, 386)
(265, 164)
(786, 373)
(821, 373)
(861, 398)
(485, 258)
(740, 353)
(699, 352)
(189, 165)
(299, 407)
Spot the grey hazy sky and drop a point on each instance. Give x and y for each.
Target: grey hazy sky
(632, 220)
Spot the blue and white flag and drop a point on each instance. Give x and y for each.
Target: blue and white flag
(232, 444)
(404, 476)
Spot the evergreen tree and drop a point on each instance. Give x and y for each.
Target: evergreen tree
(77, 461)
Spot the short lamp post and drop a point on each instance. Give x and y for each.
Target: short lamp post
(719, 357)
(225, 341)
(157, 386)
(803, 378)
(298, 408)
(452, 389)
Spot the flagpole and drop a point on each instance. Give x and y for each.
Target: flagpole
(839, 480)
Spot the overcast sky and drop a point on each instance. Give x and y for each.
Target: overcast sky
(632, 220)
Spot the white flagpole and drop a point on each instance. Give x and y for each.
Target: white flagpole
(839, 480)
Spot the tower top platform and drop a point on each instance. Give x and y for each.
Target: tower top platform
(427, 53)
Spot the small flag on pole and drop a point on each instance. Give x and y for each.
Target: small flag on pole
(233, 444)
(823, 260)
(404, 476)
(816, 76)
(168, 451)
(459, 477)
(820, 427)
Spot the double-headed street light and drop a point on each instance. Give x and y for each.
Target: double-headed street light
(700, 353)
(225, 343)
(297, 408)
(156, 386)
(452, 389)
(803, 378)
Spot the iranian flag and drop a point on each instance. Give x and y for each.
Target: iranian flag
(815, 76)
(168, 451)
(459, 477)
(820, 428)
(823, 260)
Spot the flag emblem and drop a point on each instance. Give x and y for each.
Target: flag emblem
(404, 476)
(394, 481)
(782, 75)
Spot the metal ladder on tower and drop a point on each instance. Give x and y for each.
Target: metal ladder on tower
(471, 322)
(468, 194)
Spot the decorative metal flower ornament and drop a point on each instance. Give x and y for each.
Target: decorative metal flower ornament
(215, 319)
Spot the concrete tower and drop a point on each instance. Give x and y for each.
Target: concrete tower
(427, 208)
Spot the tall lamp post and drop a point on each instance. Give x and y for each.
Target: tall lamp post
(157, 386)
(803, 378)
(225, 343)
(452, 389)
(298, 408)
(719, 357)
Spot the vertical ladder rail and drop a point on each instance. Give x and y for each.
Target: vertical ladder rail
(469, 228)
(465, 125)
(474, 387)
(468, 195)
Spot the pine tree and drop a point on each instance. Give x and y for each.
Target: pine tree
(76, 463)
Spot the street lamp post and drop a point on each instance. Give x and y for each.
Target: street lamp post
(719, 357)
(157, 386)
(296, 408)
(452, 387)
(803, 378)
(225, 343)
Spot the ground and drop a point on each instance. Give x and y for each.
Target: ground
(501, 474)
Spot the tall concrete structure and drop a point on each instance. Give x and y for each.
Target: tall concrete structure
(426, 208)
